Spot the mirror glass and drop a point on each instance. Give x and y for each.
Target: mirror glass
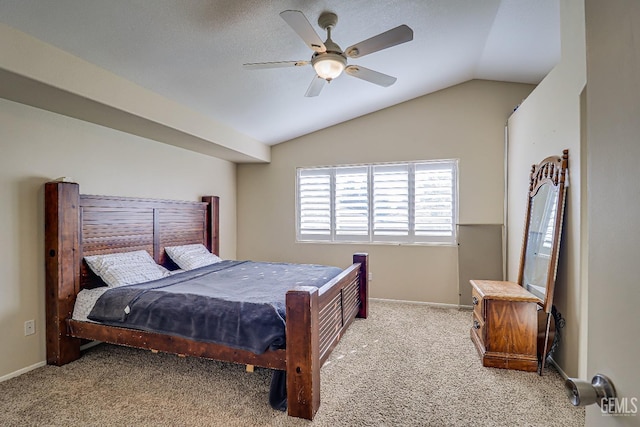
(540, 240)
(543, 227)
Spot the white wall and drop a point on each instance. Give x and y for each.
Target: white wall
(465, 121)
(547, 122)
(37, 146)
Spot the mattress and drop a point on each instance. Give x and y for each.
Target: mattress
(240, 304)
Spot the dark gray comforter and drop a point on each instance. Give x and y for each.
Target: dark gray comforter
(239, 304)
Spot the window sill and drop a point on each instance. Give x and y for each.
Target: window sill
(365, 243)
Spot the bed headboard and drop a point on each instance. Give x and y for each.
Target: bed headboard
(77, 225)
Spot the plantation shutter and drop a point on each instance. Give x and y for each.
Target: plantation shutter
(414, 202)
(390, 200)
(352, 203)
(314, 203)
(434, 186)
(548, 235)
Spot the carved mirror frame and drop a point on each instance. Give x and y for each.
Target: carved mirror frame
(551, 172)
(542, 235)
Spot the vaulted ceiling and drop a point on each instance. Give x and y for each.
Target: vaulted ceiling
(191, 52)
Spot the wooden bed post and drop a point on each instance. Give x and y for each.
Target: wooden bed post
(363, 286)
(62, 216)
(303, 354)
(212, 223)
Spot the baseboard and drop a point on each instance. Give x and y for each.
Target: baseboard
(432, 304)
(41, 364)
(22, 371)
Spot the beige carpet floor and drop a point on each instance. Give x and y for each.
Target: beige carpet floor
(407, 365)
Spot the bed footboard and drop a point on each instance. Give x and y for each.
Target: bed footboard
(316, 320)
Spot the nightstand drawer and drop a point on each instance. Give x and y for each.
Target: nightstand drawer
(478, 304)
(478, 327)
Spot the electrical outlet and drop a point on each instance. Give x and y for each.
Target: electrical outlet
(370, 276)
(29, 327)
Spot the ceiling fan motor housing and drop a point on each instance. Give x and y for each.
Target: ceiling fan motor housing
(330, 63)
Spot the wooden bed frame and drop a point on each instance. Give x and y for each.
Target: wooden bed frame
(79, 225)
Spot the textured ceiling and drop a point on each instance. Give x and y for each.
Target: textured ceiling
(192, 51)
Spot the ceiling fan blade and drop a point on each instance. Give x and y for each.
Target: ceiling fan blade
(276, 64)
(315, 87)
(371, 76)
(301, 25)
(393, 37)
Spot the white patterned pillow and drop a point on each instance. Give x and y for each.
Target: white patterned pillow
(188, 257)
(126, 268)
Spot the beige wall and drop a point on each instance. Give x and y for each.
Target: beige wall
(545, 124)
(37, 146)
(465, 122)
(613, 193)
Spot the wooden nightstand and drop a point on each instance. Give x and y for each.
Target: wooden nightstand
(505, 324)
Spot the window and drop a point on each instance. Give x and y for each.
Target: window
(412, 202)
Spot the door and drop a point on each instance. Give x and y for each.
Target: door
(613, 204)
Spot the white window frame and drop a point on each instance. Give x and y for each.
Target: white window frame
(411, 237)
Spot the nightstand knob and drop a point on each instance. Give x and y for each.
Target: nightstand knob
(476, 324)
(474, 300)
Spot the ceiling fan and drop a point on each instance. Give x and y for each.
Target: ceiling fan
(328, 60)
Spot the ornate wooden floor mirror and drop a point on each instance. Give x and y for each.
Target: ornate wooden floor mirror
(515, 324)
(541, 242)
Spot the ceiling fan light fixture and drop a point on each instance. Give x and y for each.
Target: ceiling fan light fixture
(329, 65)
(328, 59)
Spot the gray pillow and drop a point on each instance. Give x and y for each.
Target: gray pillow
(126, 268)
(188, 257)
